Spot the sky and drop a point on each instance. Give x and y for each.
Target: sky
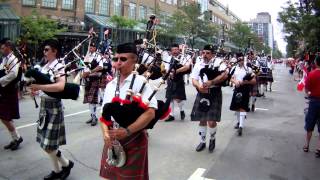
(248, 9)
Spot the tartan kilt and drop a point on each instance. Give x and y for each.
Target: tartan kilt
(214, 113)
(103, 82)
(262, 78)
(136, 166)
(9, 103)
(91, 91)
(244, 103)
(270, 76)
(53, 134)
(176, 90)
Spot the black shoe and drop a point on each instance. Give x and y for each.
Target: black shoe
(16, 144)
(9, 145)
(66, 170)
(236, 126)
(52, 176)
(270, 89)
(182, 115)
(94, 122)
(89, 121)
(171, 118)
(200, 147)
(101, 101)
(240, 131)
(212, 145)
(253, 108)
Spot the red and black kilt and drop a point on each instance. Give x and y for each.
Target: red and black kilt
(136, 166)
(91, 91)
(9, 103)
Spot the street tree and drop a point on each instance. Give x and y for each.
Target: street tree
(301, 26)
(188, 21)
(36, 29)
(123, 22)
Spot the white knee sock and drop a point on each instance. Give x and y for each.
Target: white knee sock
(63, 160)
(253, 100)
(14, 134)
(212, 132)
(180, 105)
(203, 133)
(93, 109)
(54, 160)
(101, 93)
(242, 118)
(172, 108)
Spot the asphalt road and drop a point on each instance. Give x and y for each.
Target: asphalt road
(270, 148)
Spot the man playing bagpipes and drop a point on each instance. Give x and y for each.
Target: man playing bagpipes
(9, 103)
(92, 76)
(243, 79)
(106, 74)
(254, 65)
(270, 69)
(176, 85)
(207, 75)
(51, 127)
(132, 136)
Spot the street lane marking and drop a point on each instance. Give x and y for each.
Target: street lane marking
(68, 115)
(197, 175)
(262, 109)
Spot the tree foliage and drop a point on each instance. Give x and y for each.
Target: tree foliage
(301, 26)
(188, 21)
(242, 37)
(36, 29)
(122, 22)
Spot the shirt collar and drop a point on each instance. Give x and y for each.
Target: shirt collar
(128, 79)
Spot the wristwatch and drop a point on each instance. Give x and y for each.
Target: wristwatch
(128, 132)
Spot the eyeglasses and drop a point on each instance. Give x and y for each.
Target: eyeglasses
(122, 59)
(46, 49)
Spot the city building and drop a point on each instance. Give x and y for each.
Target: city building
(262, 26)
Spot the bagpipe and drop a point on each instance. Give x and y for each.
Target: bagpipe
(212, 72)
(71, 90)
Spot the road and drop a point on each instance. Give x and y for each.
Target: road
(270, 148)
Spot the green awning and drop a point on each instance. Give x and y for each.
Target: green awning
(103, 21)
(7, 14)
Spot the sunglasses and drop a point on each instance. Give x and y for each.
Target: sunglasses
(122, 59)
(46, 49)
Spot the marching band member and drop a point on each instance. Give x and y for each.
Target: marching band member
(176, 86)
(133, 138)
(270, 69)
(251, 62)
(92, 77)
(208, 114)
(241, 94)
(51, 127)
(9, 103)
(106, 74)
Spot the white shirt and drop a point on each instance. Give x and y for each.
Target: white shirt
(240, 72)
(111, 88)
(216, 62)
(90, 57)
(13, 69)
(183, 60)
(54, 65)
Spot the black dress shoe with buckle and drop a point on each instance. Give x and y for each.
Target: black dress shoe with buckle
(171, 118)
(236, 126)
(52, 176)
(201, 147)
(89, 121)
(16, 144)
(9, 145)
(66, 170)
(212, 145)
(182, 115)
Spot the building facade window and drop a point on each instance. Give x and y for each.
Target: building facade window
(132, 10)
(203, 5)
(29, 2)
(142, 12)
(104, 7)
(117, 7)
(49, 3)
(89, 6)
(67, 4)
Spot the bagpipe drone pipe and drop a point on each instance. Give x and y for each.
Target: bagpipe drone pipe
(127, 111)
(70, 91)
(149, 63)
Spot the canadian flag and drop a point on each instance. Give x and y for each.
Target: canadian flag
(302, 82)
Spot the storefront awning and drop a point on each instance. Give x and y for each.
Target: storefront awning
(7, 14)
